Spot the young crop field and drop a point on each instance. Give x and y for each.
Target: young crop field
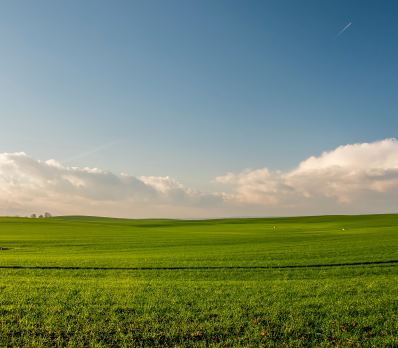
(328, 281)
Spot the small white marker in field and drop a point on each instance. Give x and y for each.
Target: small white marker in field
(274, 226)
(343, 229)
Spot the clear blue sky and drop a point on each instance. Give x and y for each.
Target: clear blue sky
(196, 88)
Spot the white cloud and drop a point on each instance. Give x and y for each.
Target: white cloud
(356, 174)
(24, 179)
(359, 178)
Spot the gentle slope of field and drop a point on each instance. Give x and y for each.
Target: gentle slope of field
(98, 282)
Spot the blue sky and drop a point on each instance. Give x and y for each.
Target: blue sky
(195, 89)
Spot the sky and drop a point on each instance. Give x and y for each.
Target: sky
(195, 109)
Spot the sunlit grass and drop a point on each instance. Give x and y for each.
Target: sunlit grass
(90, 282)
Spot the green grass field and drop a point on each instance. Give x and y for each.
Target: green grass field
(98, 282)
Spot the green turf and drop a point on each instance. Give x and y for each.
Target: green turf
(96, 282)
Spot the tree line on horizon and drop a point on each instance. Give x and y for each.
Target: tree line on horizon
(46, 215)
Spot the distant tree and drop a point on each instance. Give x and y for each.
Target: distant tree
(33, 216)
(41, 216)
(47, 215)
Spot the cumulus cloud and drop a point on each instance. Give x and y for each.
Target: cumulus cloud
(358, 173)
(25, 179)
(357, 178)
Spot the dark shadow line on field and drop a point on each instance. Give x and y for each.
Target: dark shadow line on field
(197, 268)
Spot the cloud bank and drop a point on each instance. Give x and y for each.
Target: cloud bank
(24, 180)
(352, 174)
(357, 178)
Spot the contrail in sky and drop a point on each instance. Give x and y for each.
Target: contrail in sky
(342, 30)
(92, 151)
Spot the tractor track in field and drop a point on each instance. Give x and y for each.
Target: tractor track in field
(200, 267)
